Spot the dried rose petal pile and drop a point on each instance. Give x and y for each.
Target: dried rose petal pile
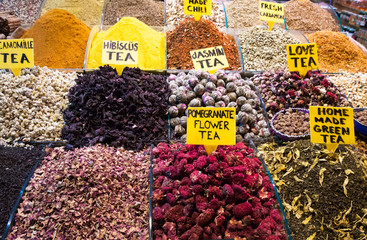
(89, 193)
(224, 195)
(281, 89)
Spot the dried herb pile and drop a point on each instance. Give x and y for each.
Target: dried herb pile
(281, 89)
(15, 166)
(361, 116)
(32, 104)
(243, 13)
(90, 193)
(292, 122)
(262, 49)
(224, 195)
(304, 15)
(193, 35)
(337, 52)
(354, 85)
(324, 196)
(201, 89)
(128, 110)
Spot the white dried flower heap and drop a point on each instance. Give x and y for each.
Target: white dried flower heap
(32, 104)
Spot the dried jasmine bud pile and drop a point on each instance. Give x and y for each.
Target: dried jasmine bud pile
(361, 116)
(128, 110)
(354, 85)
(175, 13)
(193, 35)
(222, 196)
(324, 196)
(201, 89)
(263, 50)
(293, 122)
(304, 15)
(338, 53)
(281, 89)
(90, 193)
(32, 104)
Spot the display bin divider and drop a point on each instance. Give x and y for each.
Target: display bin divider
(287, 229)
(10, 222)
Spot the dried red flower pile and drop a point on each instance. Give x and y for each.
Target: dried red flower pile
(89, 193)
(224, 195)
(282, 89)
(128, 110)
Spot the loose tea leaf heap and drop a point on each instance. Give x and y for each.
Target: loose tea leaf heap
(337, 52)
(89, 193)
(324, 196)
(222, 196)
(128, 110)
(193, 35)
(263, 50)
(304, 15)
(281, 89)
(243, 13)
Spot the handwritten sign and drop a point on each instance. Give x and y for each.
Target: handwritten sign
(211, 126)
(16, 54)
(209, 59)
(198, 8)
(271, 12)
(302, 58)
(120, 52)
(332, 126)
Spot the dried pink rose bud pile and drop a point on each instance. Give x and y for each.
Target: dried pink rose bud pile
(224, 195)
(89, 193)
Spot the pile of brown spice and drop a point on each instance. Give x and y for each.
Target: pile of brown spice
(193, 35)
(304, 15)
(148, 11)
(337, 53)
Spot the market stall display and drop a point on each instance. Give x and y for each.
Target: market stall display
(175, 13)
(222, 196)
(281, 89)
(193, 35)
(16, 164)
(60, 40)
(354, 85)
(263, 50)
(90, 15)
(323, 195)
(89, 193)
(304, 15)
(201, 89)
(128, 110)
(148, 11)
(32, 105)
(151, 44)
(27, 10)
(338, 53)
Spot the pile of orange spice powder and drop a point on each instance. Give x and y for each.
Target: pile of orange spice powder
(193, 35)
(336, 52)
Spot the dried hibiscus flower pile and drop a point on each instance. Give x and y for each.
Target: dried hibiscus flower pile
(324, 196)
(90, 193)
(224, 195)
(281, 89)
(128, 110)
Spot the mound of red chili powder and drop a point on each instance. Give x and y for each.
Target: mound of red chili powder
(193, 35)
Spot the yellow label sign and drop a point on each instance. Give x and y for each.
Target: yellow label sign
(302, 58)
(120, 52)
(211, 126)
(332, 126)
(198, 8)
(209, 59)
(16, 54)
(271, 12)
